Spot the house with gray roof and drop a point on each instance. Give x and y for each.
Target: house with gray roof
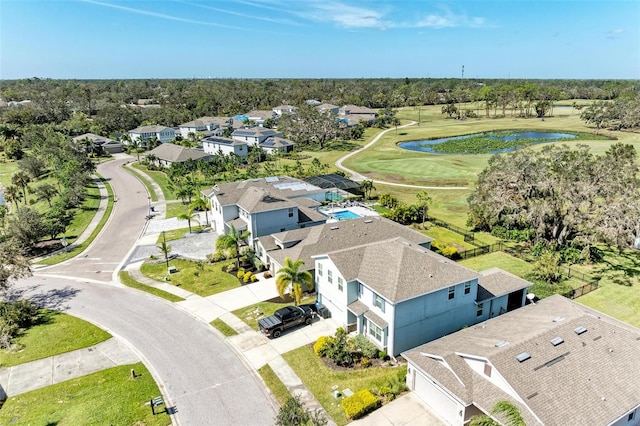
(205, 125)
(168, 153)
(217, 144)
(274, 144)
(254, 136)
(144, 133)
(558, 362)
(353, 114)
(108, 145)
(265, 206)
(400, 294)
(284, 109)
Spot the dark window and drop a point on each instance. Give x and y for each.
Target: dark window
(452, 292)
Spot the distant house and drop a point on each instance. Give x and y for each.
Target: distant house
(168, 153)
(204, 125)
(558, 362)
(274, 144)
(334, 109)
(284, 109)
(144, 133)
(264, 206)
(216, 144)
(401, 294)
(108, 145)
(257, 117)
(254, 136)
(353, 114)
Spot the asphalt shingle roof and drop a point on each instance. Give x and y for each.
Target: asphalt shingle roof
(176, 153)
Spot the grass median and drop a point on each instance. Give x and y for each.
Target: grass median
(127, 279)
(201, 278)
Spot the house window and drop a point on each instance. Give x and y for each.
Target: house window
(378, 301)
(340, 284)
(487, 369)
(320, 269)
(375, 332)
(330, 276)
(467, 288)
(291, 212)
(360, 289)
(452, 292)
(479, 310)
(631, 416)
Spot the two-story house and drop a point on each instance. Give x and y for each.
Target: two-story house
(205, 125)
(557, 361)
(274, 144)
(254, 136)
(217, 144)
(168, 153)
(265, 206)
(143, 133)
(400, 294)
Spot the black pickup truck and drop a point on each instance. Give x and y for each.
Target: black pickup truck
(285, 318)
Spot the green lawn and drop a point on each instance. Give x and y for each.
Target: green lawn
(160, 178)
(127, 280)
(56, 333)
(176, 208)
(210, 280)
(176, 234)
(275, 385)
(320, 379)
(251, 314)
(444, 237)
(108, 397)
(223, 327)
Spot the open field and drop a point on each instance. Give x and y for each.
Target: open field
(108, 397)
(56, 333)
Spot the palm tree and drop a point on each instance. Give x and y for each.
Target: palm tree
(290, 276)
(12, 194)
(202, 204)
(46, 191)
(423, 202)
(21, 179)
(367, 186)
(232, 240)
(506, 409)
(189, 215)
(395, 121)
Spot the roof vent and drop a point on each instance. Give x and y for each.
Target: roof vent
(502, 343)
(334, 228)
(558, 319)
(523, 356)
(580, 330)
(368, 221)
(556, 341)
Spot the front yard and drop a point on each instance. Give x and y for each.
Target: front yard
(251, 314)
(201, 278)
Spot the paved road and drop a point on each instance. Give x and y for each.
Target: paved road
(360, 177)
(198, 373)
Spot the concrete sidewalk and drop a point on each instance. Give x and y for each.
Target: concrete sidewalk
(45, 372)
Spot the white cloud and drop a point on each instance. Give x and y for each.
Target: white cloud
(242, 15)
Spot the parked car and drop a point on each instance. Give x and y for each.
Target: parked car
(285, 318)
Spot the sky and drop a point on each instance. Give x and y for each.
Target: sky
(534, 39)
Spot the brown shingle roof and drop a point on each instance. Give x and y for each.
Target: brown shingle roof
(589, 378)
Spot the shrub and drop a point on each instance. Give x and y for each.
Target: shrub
(383, 355)
(293, 413)
(359, 404)
(365, 362)
(321, 345)
(365, 346)
(248, 277)
(240, 273)
(450, 252)
(338, 350)
(15, 316)
(571, 255)
(387, 200)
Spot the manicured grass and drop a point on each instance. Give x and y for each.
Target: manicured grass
(177, 234)
(81, 222)
(127, 280)
(176, 208)
(145, 182)
(210, 280)
(320, 379)
(275, 385)
(160, 178)
(7, 167)
(249, 314)
(108, 397)
(444, 237)
(56, 333)
(223, 327)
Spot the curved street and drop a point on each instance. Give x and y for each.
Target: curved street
(200, 376)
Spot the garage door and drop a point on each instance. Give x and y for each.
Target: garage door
(440, 402)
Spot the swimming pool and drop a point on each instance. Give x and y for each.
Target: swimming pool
(344, 215)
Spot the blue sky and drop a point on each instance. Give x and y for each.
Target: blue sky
(319, 39)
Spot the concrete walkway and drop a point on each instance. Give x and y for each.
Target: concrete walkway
(45, 372)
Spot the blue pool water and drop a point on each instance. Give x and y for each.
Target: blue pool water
(426, 145)
(344, 215)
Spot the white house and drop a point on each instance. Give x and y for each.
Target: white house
(144, 133)
(216, 144)
(284, 109)
(204, 125)
(264, 206)
(255, 135)
(400, 294)
(274, 144)
(558, 362)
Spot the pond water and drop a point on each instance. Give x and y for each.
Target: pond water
(484, 143)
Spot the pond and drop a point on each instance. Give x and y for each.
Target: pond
(485, 143)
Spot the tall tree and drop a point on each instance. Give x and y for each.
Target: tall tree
(45, 192)
(366, 186)
(21, 179)
(189, 216)
(424, 200)
(290, 276)
(232, 240)
(13, 264)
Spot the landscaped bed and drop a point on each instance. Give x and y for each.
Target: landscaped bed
(201, 278)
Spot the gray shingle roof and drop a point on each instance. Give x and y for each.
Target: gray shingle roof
(149, 129)
(205, 121)
(398, 269)
(589, 378)
(96, 138)
(275, 142)
(256, 199)
(223, 141)
(329, 237)
(230, 193)
(176, 153)
(256, 132)
(495, 282)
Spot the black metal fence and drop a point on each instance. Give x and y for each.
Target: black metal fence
(478, 251)
(577, 292)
